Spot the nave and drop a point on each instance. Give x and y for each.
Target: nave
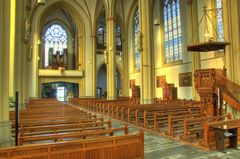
(50, 129)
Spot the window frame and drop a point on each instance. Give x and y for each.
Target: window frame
(218, 53)
(219, 11)
(135, 41)
(180, 45)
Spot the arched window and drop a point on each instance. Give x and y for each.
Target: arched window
(101, 38)
(172, 31)
(56, 40)
(219, 20)
(136, 30)
(101, 33)
(118, 38)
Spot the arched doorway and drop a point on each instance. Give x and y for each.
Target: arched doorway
(60, 90)
(102, 82)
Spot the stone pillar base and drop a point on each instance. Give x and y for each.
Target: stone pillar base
(6, 139)
(146, 101)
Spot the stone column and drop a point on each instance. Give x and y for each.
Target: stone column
(93, 64)
(194, 38)
(232, 34)
(6, 9)
(111, 59)
(33, 58)
(145, 38)
(81, 64)
(12, 48)
(20, 80)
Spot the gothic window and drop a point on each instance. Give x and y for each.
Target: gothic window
(219, 20)
(136, 30)
(118, 38)
(101, 38)
(172, 31)
(56, 40)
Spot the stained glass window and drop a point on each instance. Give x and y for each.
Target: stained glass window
(101, 39)
(219, 20)
(118, 38)
(56, 40)
(136, 30)
(172, 31)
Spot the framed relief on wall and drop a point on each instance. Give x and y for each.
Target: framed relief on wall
(132, 83)
(160, 81)
(185, 79)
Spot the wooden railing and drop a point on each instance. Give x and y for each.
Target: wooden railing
(207, 83)
(227, 86)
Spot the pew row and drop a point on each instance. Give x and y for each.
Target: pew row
(117, 147)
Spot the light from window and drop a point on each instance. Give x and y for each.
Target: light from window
(219, 20)
(118, 38)
(101, 39)
(172, 31)
(136, 30)
(55, 40)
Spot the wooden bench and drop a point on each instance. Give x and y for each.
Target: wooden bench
(67, 136)
(118, 147)
(59, 127)
(194, 128)
(176, 123)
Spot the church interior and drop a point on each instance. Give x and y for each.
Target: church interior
(119, 79)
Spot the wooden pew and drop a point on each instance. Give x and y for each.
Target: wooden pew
(46, 120)
(62, 127)
(53, 125)
(55, 122)
(194, 128)
(176, 123)
(98, 148)
(67, 136)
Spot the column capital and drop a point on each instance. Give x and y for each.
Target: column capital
(111, 19)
